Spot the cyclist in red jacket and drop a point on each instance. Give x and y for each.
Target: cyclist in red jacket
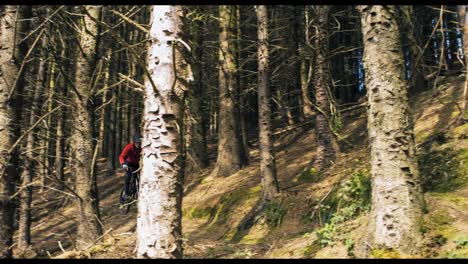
(130, 159)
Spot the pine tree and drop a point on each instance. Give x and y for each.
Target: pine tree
(396, 194)
(267, 157)
(82, 149)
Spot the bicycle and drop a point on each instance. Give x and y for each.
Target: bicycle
(133, 191)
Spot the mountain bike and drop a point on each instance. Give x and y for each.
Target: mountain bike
(133, 191)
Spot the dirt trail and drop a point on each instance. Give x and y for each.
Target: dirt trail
(222, 202)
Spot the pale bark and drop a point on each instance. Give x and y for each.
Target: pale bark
(159, 229)
(267, 156)
(396, 194)
(82, 142)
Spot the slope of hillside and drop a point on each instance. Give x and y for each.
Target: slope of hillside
(213, 207)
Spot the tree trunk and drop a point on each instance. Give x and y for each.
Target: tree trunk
(306, 67)
(410, 38)
(267, 156)
(45, 169)
(12, 28)
(24, 236)
(229, 143)
(160, 200)
(396, 194)
(242, 91)
(296, 95)
(60, 151)
(195, 136)
(103, 119)
(327, 146)
(82, 142)
(465, 53)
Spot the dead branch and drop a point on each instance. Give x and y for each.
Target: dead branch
(130, 21)
(31, 128)
(23, 63)
(139, 87)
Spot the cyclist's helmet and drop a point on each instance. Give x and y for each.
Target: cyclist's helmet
(137, 138)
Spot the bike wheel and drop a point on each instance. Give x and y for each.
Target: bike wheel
(121, 197)
(136, 188)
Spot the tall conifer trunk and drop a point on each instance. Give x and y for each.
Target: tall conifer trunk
(396, 193)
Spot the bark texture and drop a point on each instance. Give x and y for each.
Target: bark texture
(230, 145)
(11, 23)
(306, 66)
(82, 141)
(160, 199)
(396, 192)
(464, 24)
(327, 146)
(267, 157)
(24, 232)
(195, 136)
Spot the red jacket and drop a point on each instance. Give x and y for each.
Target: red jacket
(131, 155)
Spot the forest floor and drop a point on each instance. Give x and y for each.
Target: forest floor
(213, 207)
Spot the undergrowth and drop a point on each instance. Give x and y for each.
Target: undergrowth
(274, 213)
(347, 202)
(443, 170)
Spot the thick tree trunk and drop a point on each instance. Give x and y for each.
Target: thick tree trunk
(160, 200)
(11, 23)
(229, 142)
(327, 146)
(396, 194)
(9, 70)
(267, 156)
(82, 144)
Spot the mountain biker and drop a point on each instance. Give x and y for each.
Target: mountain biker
(130, 159)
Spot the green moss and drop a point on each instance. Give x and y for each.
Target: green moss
(229, 201)
(252, 239)
(197, 212)
(442, 218)
(312, 249)
(455, 114)
(458, 200)
(459, 253)
(438, 227)
(385, 254)
(308, 175)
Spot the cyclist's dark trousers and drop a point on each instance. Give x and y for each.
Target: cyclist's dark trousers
(128, 176)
